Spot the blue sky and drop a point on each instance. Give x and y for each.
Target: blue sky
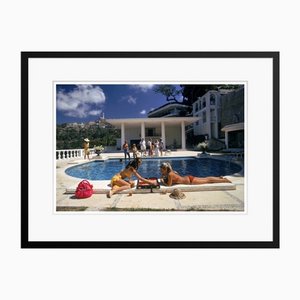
(87, 102)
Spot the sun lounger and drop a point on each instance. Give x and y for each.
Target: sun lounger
(103, 186)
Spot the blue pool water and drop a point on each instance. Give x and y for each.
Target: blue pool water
(203, 167)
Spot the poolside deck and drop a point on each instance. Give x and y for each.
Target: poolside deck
(212, 197)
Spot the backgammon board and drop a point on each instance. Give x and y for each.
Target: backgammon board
(143, 185)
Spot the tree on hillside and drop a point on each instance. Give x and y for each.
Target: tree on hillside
(72, 138)
(168, 90)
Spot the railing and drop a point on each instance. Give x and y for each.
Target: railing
(68, 154)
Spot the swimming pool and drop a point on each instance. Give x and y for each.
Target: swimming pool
(203, 167)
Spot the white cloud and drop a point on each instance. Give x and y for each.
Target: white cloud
(130, 99)
(78, 102)
(143, 112)
(95, 112)
(143, 87)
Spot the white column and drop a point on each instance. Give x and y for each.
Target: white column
(208, 117)
(216, 125)
(226, 139)
(163, 133)
(217, 116)
(122, 134)
(143, 130)
(183, 135)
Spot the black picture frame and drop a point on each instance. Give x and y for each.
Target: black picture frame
(25, 197)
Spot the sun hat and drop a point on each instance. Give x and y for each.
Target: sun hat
(177, 194)
(86, 140)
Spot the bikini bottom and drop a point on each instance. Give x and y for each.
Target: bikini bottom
(191, 178)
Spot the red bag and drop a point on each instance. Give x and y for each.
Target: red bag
(84, 190)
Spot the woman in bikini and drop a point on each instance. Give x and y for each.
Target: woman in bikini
(171, 177)
(119, 184)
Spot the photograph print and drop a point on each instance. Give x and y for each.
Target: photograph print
(150, 147)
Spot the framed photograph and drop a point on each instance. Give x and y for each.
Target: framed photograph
(150, 150)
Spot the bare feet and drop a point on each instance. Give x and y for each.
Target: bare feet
(130, 194)
(226, 180)
(109, 194)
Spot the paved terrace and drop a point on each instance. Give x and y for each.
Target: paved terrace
(211, 197)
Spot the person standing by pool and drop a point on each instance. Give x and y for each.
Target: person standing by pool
(161, 147)
(171, 177)
(118, 182)
(86, 146)
(156, 148)
(126, 150)
(152, 148)
(149, 147)
(143, 147)
(134, 151)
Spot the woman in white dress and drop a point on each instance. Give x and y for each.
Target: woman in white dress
(156, 149)
(143, 147)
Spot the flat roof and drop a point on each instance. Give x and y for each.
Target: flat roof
(153, 121)
(233, 127)
(167, 106)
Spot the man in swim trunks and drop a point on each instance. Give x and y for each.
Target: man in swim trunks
(86, 145)
(126, 150)
(172, 177)
(118, 182)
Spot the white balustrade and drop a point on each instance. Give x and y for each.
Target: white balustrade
(68, 154)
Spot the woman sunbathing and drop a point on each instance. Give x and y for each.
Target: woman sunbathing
(171, 177)
(119, 184)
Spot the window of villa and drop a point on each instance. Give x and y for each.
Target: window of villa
(150, 132)
(196, 107)
(212, 99)
(235, 118)
(203, 103)
(204, 116)
(213, 115)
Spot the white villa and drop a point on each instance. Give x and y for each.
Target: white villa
(207, 110)
(216, 118)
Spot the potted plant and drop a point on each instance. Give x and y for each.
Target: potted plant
(98, 149)
(203, 146)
